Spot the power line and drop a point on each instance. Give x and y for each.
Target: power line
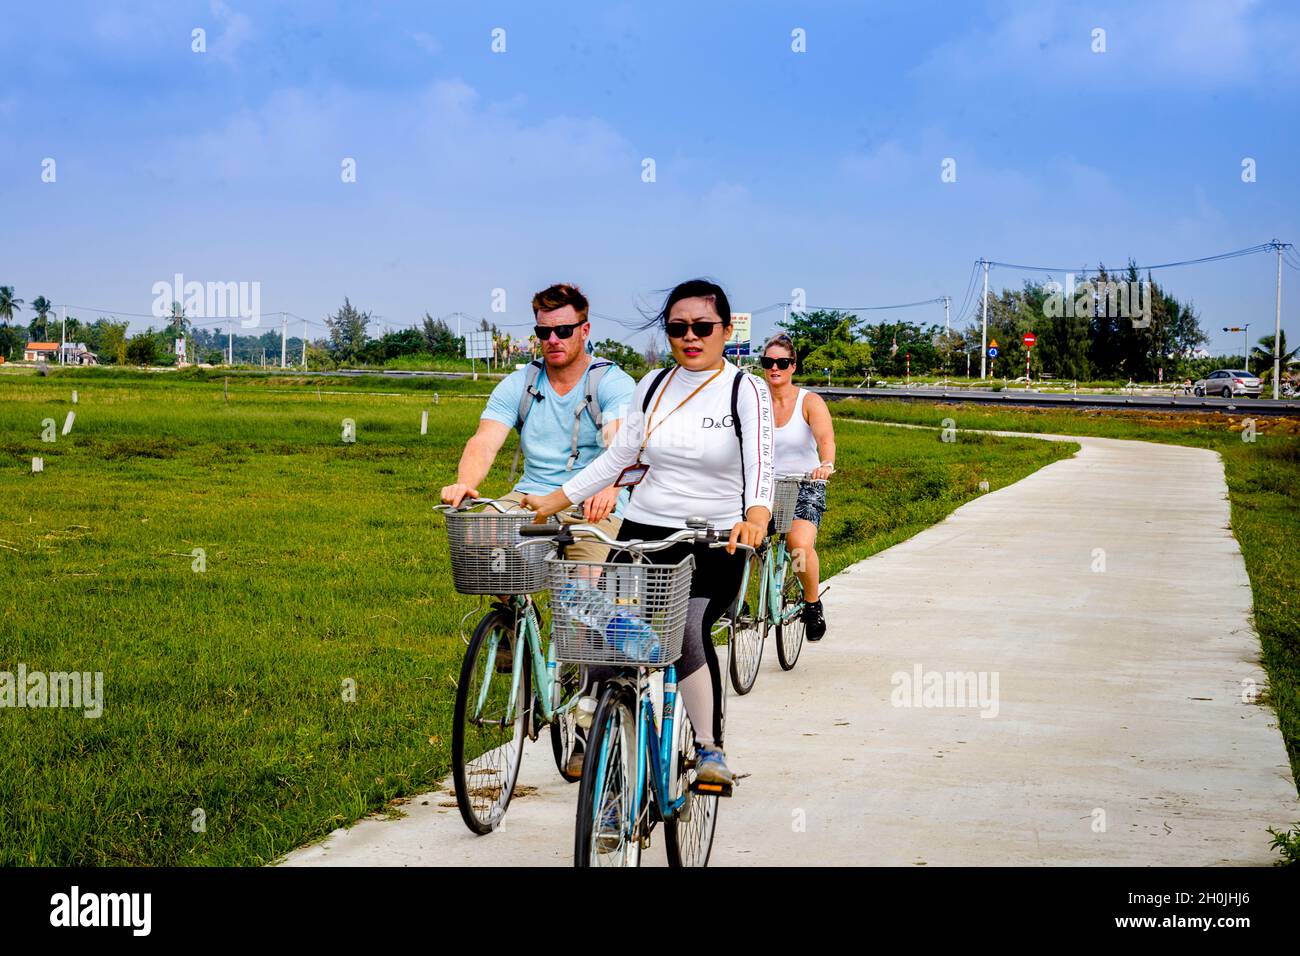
(1249, 251)
(874, 308)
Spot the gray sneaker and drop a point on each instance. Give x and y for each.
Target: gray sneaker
(711, 767)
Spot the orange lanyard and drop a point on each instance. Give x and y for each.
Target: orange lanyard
(662, 393)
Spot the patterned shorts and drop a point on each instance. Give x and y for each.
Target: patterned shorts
(811, 504)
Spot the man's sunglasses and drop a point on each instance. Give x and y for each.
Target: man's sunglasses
(677, 330)
(563, 331)
(781, 363)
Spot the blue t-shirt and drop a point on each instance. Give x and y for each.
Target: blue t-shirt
(548, 430)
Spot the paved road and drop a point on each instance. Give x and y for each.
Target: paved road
(1118, 733)
(1022, 398)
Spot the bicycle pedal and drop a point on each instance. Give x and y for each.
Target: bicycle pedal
(711, 789)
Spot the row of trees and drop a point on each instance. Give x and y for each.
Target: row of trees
(1093, 344)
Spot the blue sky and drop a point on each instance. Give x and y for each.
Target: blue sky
(775, 170)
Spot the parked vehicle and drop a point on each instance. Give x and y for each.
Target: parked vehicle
(1229, 383)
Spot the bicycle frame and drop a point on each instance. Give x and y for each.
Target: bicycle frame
(657, 743)
(777, 563)
(544, 666)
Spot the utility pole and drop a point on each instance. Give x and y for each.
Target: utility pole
(947, 326)
(230, 344)
(984, 337)
(304, 345)
(63, 325)
(284, 340)
(1277, 323)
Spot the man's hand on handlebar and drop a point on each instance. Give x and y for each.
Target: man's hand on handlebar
(454, 494)
(546, 505)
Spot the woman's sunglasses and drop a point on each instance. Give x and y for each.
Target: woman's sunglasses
(563, 331)
(781, 363)
(677, 330)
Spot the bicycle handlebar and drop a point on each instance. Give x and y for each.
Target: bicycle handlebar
(467, 503)
(639, 546)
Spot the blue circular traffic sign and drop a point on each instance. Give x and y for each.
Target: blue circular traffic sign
(993, 353)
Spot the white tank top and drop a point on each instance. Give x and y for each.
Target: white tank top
(795, 448)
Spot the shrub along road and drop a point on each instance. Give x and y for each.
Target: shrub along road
(1061, 672)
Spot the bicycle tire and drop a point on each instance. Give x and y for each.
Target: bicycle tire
(688, 836)
(790, 634)
(612, 734)
(485, 780)
(745, 643)
(564, 728)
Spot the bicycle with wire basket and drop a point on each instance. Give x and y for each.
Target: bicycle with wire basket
(639, 767)
(777, 602)
(511, 685)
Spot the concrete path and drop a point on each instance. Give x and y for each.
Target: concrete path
(1100, 608)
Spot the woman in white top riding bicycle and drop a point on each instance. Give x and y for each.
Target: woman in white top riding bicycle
(805, 445)
(683, 455)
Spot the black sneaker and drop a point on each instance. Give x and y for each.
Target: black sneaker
(814, 621)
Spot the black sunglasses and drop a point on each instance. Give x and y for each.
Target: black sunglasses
(677, 330)
(781, 363)
(543, 332)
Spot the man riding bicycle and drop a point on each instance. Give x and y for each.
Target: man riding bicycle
(567, 408)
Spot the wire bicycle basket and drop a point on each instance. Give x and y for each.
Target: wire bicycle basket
(620, 614)
(784, 498)
(484, 559)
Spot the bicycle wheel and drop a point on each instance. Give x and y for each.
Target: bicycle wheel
(487, 737)
(605, 834)
(790, 633)
(689, 834)
(745, 653)
(565, 737)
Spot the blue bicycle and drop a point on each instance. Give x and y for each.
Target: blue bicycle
(639, 767)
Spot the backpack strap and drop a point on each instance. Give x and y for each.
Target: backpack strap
(590, 404)
(527, 398)
(650, 392)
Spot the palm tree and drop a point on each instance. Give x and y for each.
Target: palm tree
(1263, 356)
(41, 306)
(8, 304)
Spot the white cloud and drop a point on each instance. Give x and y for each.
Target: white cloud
(426, 42)
(1160, 42)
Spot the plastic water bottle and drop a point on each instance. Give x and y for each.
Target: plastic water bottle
(633, 637)
(586, 605)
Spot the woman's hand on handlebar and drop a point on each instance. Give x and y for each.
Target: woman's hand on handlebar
(454, 494)
(746, 532)
(546, 505)
(822, 472)
(600, 505)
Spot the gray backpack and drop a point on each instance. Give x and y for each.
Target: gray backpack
(589, 404)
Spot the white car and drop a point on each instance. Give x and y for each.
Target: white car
(1229, 383)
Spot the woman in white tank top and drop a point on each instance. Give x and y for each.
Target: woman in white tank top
(804, 444)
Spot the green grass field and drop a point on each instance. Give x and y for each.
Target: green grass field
(1263, 479)
(324, 564)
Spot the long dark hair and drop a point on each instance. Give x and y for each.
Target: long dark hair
(691, 289)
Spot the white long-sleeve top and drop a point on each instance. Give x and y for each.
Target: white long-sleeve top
(693, 453)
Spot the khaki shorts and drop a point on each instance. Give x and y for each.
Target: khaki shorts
(588, 549)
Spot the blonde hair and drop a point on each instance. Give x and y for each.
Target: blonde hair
(782, 340)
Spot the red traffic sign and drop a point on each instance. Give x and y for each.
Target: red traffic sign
(1029, 340)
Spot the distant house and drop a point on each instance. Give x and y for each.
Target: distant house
(41, 352)
(74, 353)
